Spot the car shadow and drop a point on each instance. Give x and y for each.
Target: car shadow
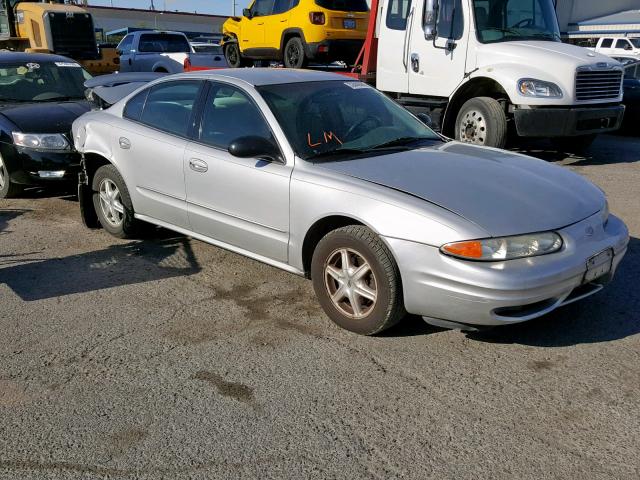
(612, 314)
(8, 214)
(125, 264)
(606, 150)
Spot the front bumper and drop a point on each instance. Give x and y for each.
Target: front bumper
(567, 122)
(343, 49)
(499, 293)
(25, 165)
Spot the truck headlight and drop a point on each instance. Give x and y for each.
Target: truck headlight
(41, 141)
(530, 87)
(505, 248)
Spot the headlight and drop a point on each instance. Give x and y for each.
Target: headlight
(604, 213)
(505, 248)
(530, 87)
(41, 141)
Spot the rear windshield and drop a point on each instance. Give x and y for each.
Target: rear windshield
(344, 5)
(162, 42)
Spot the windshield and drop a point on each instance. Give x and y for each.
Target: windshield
(635, 42)
(512, 20)
(325, 119)
(41, 82)
(162, 42)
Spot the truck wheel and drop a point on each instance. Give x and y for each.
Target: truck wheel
(112, 203)
(576, 145)
(357, 281)
(482, 121)
(294, 56)
(8, 189)
(233, 56)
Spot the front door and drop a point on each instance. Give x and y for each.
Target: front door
(243, 202)
(437, 67)
(253, 31)
(393, 56)
(150, 146)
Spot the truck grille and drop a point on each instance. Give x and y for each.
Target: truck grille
(594, 84)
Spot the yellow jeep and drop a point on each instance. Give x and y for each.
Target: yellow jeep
(296, 31)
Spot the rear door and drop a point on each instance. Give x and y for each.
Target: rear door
(150, 146)
(393, 55)
(243, 202)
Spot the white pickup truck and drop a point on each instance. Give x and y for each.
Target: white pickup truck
(618, 47)
(163, 52)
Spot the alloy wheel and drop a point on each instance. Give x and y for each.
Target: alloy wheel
(351, 283)
(293, 54)
(4, 175)
(111, 202)
(473, 128)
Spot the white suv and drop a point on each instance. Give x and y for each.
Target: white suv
(618, 46)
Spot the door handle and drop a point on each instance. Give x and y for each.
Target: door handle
(415, 62)
(198, 165)
(125, 143)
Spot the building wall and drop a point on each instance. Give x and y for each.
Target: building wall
(572, 11)
(109, 19)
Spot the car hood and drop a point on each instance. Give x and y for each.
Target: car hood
(503, 193)
(44, 117)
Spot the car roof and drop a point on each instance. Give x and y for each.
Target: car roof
(266, 76)
(6, 56)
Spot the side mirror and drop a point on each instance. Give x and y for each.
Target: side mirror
(246, 12)
(430, 19)
(426, 119)
(253, 146)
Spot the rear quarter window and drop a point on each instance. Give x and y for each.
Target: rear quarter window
(344, 5)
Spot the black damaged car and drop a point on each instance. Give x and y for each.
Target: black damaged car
(40, 97)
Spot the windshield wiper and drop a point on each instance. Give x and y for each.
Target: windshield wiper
(400, 142)
(546, 35)
(504, 30)
(337, 152)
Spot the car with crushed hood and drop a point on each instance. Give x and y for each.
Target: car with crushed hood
(40, 96)
(326, 177)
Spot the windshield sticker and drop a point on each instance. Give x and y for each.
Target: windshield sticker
(356, 85)
(328, 137)
(68, 64)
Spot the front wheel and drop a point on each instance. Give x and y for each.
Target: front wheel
(233, 56)
(357, 281)
(294, 56)
(8, 189)
(576, 145)
(482, 121)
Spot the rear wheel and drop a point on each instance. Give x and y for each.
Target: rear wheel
(8, 189)
(357, 281)
(294, 56)
(112, 203)
(577, 145)
(482, 121)
(233, 56)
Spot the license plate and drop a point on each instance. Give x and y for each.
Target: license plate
(598, 265)
(349, 23)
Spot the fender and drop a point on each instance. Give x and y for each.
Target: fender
(294, 31)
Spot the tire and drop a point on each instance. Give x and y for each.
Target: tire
(118, 220)
(294, 56)
(233, 56)
(8, 189)
(384, 306)
(576, 145)
(482, 121)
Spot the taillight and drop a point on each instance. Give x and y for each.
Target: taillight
(317, 18)
(187, 64)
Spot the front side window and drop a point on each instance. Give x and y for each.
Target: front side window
(623, 44)
(133, 108)
(163, 42)
(169, 106)
(229, 114)
(262, 8)
(126, 44)
(327, 118)
(450, 19)
(42, 81)
(515, 20)
(397, 14)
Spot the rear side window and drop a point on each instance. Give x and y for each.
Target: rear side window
(606, 43)
(133, 109)
(163, 42)
(281, 6)
(344, 5)
(397, 14)
(169, 106)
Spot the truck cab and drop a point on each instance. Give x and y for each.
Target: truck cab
(483, 68)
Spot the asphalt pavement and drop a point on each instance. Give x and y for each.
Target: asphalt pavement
(170, 358)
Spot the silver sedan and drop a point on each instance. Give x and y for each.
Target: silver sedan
(326, 177)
